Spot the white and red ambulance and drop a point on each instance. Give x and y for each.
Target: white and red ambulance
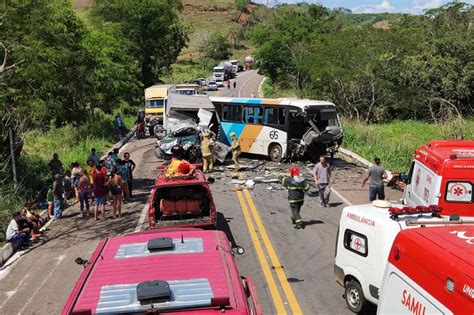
(430, 271)
(442, 173)
(365, 237)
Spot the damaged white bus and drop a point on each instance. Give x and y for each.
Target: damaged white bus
(282, 129)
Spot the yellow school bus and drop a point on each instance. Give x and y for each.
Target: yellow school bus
(156, 97)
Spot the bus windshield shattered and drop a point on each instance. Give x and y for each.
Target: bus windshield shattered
(314, 131)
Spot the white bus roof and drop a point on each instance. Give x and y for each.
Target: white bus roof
(301, 103)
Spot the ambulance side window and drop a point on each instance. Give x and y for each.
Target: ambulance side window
(356, 242)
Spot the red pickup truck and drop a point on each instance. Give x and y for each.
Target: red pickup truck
(185, 271)
(184, 201)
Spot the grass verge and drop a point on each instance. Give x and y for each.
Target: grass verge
(72, 144)
(395, 142)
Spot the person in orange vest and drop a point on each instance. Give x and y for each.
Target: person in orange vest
(206, 150)
(296, 186)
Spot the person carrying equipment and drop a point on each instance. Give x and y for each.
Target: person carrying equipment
(296, 186)
(235, 151)
(206, 150)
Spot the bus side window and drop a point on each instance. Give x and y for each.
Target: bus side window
(232, 113)
(258, 115)
(274, 116)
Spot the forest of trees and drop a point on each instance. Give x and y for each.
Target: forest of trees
(58, 69)
(421, 67)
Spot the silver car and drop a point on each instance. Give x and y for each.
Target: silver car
(212, 86)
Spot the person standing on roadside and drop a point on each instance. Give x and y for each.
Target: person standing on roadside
(100, 192)
(252, 95)
(235, 84)
(84, 188)
(235, 151)
(94, 157)
(58, 196)
(377, 174)
(50, 199)
(131, 167)
(323, 179)
(296, 186)
(115, 188)
(122, 171)
(109, 163)
(75, 178)
(206, 150)
(55, 166)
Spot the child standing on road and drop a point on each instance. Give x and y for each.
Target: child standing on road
(115, 188)
(296, 186)
(84, 191)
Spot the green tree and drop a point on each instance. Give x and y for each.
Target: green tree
(114, 73)
(154, 29)
(216, 48)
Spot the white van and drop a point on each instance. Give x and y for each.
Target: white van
(365, 236)
(430, 271)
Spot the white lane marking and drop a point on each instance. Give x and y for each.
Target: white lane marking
(59, 259)
(143, 216)
(6, 270)
(245, 82)
(347, 202)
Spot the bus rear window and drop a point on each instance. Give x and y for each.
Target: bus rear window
(459, 192)
(154, 104)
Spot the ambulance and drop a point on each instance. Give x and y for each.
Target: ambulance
(442, 173)
(365, 237)
(430, 271)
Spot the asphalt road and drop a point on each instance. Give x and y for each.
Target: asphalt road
(292, 269)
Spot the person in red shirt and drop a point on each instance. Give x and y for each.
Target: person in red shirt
(100, 192)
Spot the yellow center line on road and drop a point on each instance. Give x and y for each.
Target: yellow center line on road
(294, 305)
(280, 308)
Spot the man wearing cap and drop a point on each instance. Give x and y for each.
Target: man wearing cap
(206, 150)
(235, 151)
(296, 186)
(377, 174)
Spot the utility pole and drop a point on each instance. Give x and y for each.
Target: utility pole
(12, 152)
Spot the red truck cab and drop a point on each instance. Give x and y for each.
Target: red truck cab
(186, 271)
(184, 201)
(442, 173)
(430, 271)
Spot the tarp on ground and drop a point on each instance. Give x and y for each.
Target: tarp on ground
(192, 103)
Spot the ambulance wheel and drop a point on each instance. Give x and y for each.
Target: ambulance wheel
(275, 152)
(354, 296)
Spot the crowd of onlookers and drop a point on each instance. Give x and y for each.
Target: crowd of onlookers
(98, 182)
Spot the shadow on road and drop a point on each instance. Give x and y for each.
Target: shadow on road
(223, 225)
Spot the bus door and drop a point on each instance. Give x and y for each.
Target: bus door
(296, 125)
(251, 140)
(274, 120)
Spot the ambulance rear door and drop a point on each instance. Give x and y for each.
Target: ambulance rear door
(423, 187)
(401, 295)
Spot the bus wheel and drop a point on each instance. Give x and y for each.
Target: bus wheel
(354, 296)
(275, 152)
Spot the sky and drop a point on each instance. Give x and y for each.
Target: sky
(374, 6)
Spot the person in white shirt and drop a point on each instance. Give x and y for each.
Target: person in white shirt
(15, 235)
